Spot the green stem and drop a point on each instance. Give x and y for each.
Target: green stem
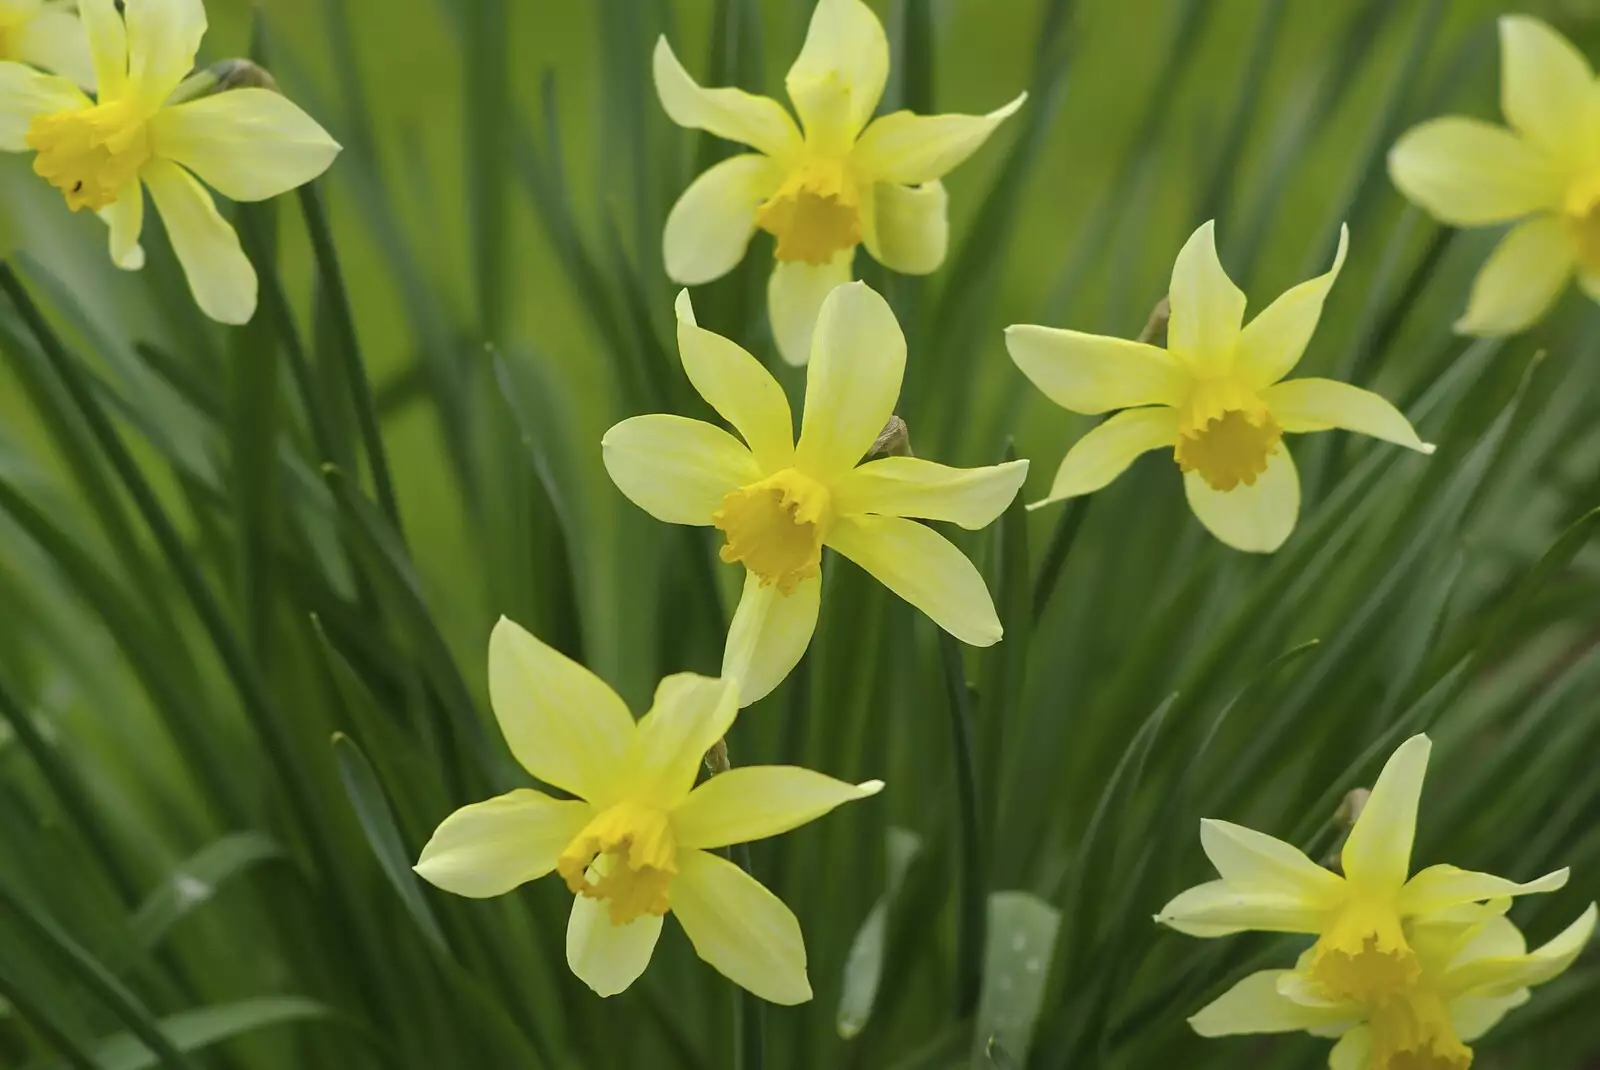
(749, 1013)
(1055, 556)
(970, 907)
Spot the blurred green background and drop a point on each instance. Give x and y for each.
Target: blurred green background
(178, 825)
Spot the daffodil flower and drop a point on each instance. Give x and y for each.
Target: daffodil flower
(779, 503)
(1215, 396)
(1543, 173)
(249, 144)
(48, 35)
(1472, 975)
(1361, 919)
(637, 843)
(820, 193)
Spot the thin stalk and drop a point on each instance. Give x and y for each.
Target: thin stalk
(1055, 556)
(970, 907)
(749, 1013)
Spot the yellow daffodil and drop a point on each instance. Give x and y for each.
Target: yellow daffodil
(48, 35)
(820, 193)
(1473, 972)
(1363, 953)
(1214, 396)
(1543, 173)
(637, 842)
(249, 144)
(779, 503)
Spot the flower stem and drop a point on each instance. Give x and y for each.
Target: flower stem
(970, 908)
(749, 1015)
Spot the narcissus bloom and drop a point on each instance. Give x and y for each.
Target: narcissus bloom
(48, 35)
(637, 843)
(1543, 173)
(139, 132)
(820, 193)
(1214, 396)
(1475, 968)
(1366, 920)
(779, 503)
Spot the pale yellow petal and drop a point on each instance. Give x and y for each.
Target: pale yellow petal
(795, 293)
(1256, 519)
(1353, 1052)
(1500, 976)
(125, 218)
(1092, 373)
(676, 469)
(1109, 449)
(858, 359)
(607, 957)
(1444, 886)
(1244, 856)
(1221, 908)
(1546, 87)
(219, 274)
(924, 568)
(689, 714)
(739, 388)
(838, 78)
(561, 721)
(248, 144)
(911, 149)
(710, 226)
(1377, 854)
(740, 928)
(1255, 1005)
(1473, 1016)
(1273, 343)
(908, 227)
(1522, 278)
(753, 802)
(1303, 405)
(108, 46)
(1469, 173)
(163, 41)
(24, 94)
(1207, 308)
(491, 847)
(769, 634)
(912, 487)
(55, 40)
(1590, 283)
(759, 122)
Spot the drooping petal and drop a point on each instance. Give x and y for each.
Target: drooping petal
(1442, 887)
(912, 487)
(248, 144)
(689, 714)
(857, 361)
(491, 847)
(740, 928)
(1091, 373)
(163, 41)
(25, 93)
(606, 957)
(924, 568)
(1546, 89)
(1470, 173)
(911, 149)
(795, 293)
(759, 122)
(768, 635)
(1207, 308)
(909, 229)
(1273, 343)
(1247, 857)
(561, 721)
(1353, 1052)
(55, 40)
(742, 391)
(1109, 448)
(1471, 1016)
(1255, 1005)
(1377, 854)
(108, 46)
(1256, 519)
(838, 78)
(1303, 405)
(1500, 976)
(125, 217)
(1221, 908)
(710, 226)
(1521, 279)
(1589, 281)
(752, 802)
(219, 274)
(676, 469)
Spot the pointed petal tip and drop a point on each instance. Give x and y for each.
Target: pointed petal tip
(683, 308)
(869, 788)
(1427, 448)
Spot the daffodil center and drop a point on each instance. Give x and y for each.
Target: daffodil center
(626, 856)
(1415, 1033)
(1226, 433)
(1582, 216)
(776, 527)
(92, 153)
(1364, 957)
(816, 213)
